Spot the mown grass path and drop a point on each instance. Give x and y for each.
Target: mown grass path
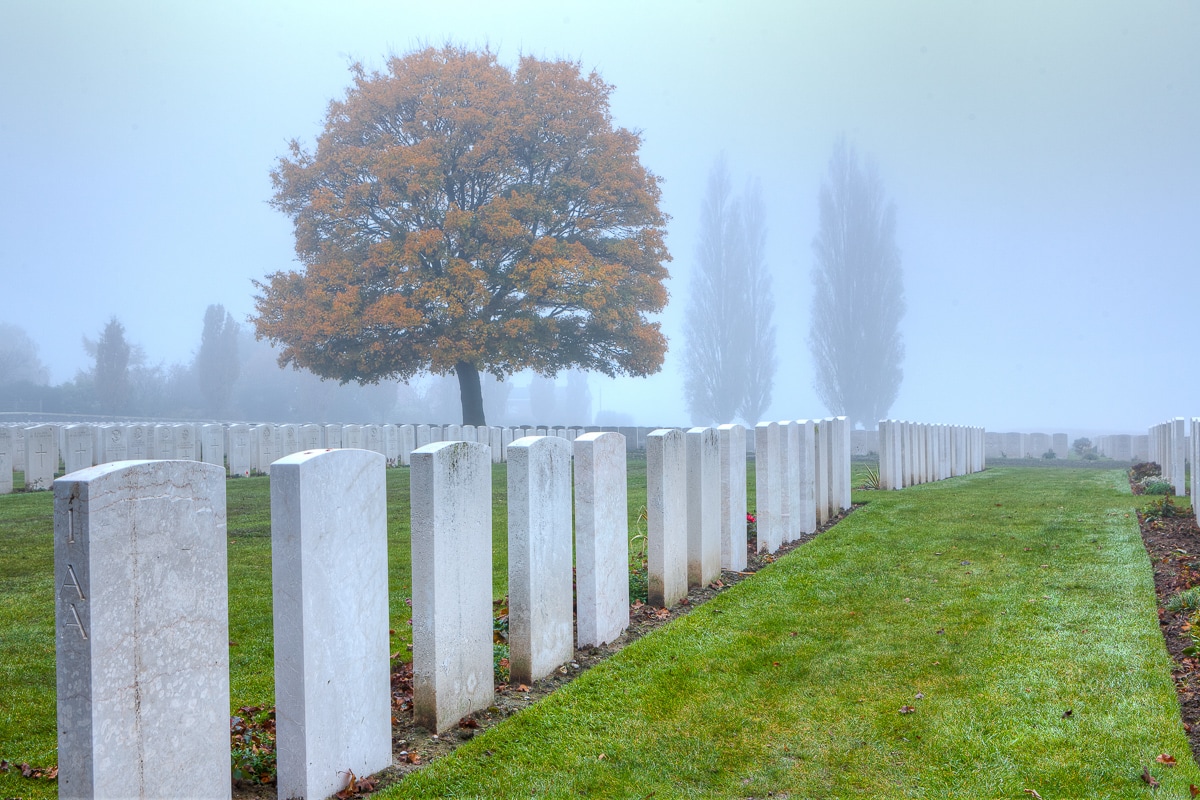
(991, 604)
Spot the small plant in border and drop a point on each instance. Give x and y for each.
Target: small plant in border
(252, 745)
(872, 479)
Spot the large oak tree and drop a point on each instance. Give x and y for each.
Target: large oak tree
(458, 215)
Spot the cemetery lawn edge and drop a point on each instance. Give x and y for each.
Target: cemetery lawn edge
(1004, 638)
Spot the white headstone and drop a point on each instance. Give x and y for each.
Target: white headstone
(41, 457)
(164, 441)
(373, 438)
(821, 471)
(139, 442)
(420, 437)
(807, 492)
(408, 443)
(601, 538)
(289, 440)
(212, 444)
(452, 582)
(116, 443)
(332, 436)
(264, 451)
(391, 444)
(789, 479)
(732, 445)
(330, 584)
(496, 442)
(80, 444)
(842, 442)
(540, 621)
(6, 460)
(666, 517)
(703, 506)
(186, 445)
(768, 486)
(240, 451)
(352, 437)
(18, 447)
(141, 618)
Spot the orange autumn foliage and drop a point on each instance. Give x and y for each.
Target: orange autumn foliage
(461, 215)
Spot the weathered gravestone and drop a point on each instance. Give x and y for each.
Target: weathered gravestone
(332, 436)
(41, 457)
(164, 441)
(821, 471)
(601, 538)
(732, 454)
(142, 631)
(452, 582)
(241, 450)
(807, 510)
(703, 506)
(80, 445)
(768, 487)
(540, 624)
(666, 517)
(140, 442)
(329, 577)
(391, 444)
(212, 444)
(311, 437)
(18, 447)
(116, 443)
(408, 443)
(6, 460)
(185, 443)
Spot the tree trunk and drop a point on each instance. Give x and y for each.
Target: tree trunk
(471, 393)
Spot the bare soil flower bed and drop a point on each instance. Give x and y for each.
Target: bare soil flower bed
(1173, 544)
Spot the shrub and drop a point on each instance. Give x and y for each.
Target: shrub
(1144, 469)
(1163, 509)
(1048, 455)
(1187, 600)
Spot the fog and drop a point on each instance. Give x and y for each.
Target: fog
(1043, 159)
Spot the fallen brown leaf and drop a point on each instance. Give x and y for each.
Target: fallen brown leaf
(1167, 759)
(907, 709)
(1067, 713)
(1033, 792)
(1192, 788)
(412, 757)
(1148, 778)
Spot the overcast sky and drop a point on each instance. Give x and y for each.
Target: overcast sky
(1044, 159)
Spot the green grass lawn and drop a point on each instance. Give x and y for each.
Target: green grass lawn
(791, 681)
(991, 605)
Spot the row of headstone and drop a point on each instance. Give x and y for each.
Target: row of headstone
(142, 616)
(912, 453)
(1169, 449)
(1025, 445)
(243, 449)
(1194, 457)
(1123, 447)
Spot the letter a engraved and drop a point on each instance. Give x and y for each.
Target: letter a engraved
(73, 582)
(78, 623)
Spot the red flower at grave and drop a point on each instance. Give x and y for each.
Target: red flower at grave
(751, 518)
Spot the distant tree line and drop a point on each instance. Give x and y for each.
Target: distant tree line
(232, 376)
